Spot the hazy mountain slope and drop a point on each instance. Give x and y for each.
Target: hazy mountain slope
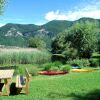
(18, 34)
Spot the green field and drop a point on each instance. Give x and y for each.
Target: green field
(73, 86)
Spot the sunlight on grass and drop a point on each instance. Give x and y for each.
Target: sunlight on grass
(60, 87)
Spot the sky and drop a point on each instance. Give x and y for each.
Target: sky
(42, 11)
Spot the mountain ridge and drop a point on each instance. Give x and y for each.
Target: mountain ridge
(13, 34)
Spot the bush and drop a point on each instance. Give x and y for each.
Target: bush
(46, 66)
(57, 63)
(51, 66)
(21, 70)
(54, 68)
(65, 68)
(94, 62)
(80, 62)
(33, 70)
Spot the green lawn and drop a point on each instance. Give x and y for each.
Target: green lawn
(73, 86)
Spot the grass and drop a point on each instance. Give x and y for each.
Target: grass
(24, 56)
(73, 86)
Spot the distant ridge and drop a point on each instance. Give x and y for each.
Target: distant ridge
(18, 34)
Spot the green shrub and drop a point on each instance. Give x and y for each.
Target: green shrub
(51, 66)
(80, 62)
(21, 71)
(94, 62)
(47, 66)
(57, 63)
(65, 68)
(33, 71)
(54, 68)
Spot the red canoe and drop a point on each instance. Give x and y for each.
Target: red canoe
(52, 72)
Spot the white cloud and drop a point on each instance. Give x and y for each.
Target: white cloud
(1, 24)
(55, 15)
(79, 14)
(92, 11)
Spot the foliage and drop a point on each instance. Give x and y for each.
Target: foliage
(20, 34)
(25, 57)
(79, 41)
(85, 38)
(65, 68)
(57, 63)
(51, 66)
(54, 68)
(62, 50)
(95, 60)
(80, 62)
(20, 70)
(47, 66)
(36, 43)
(33, 70)
(46, 32)
(2, 4)
(57, 26)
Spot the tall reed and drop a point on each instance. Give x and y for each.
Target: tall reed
(24, 57)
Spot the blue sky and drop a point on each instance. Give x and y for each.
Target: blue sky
(41, 11)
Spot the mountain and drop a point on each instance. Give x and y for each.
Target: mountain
(14, 34)
(57, 26)
(18, 34)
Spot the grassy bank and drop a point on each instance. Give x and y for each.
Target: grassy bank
(73, 86)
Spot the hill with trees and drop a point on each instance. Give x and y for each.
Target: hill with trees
(20, 34)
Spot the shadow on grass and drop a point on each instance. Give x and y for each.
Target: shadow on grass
(1, 86)
(14, 90)
(8, 67)
(93, 95)
(56, 95)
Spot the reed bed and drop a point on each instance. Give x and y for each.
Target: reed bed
(24, 56)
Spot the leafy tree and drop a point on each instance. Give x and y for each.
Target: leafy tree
(62, 49)
(84, 38)
(2, 3)
(78, 41)
(36, 42)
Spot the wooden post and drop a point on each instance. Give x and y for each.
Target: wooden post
(6, 82)
(27, 86)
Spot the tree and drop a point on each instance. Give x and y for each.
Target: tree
(78, 41)
(62, 49)
(2, 4)
(85, 38)
(36, 42)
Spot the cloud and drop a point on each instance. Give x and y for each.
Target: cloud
(55, 15)
(79, 14)
(92, 11)
(1, 24)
